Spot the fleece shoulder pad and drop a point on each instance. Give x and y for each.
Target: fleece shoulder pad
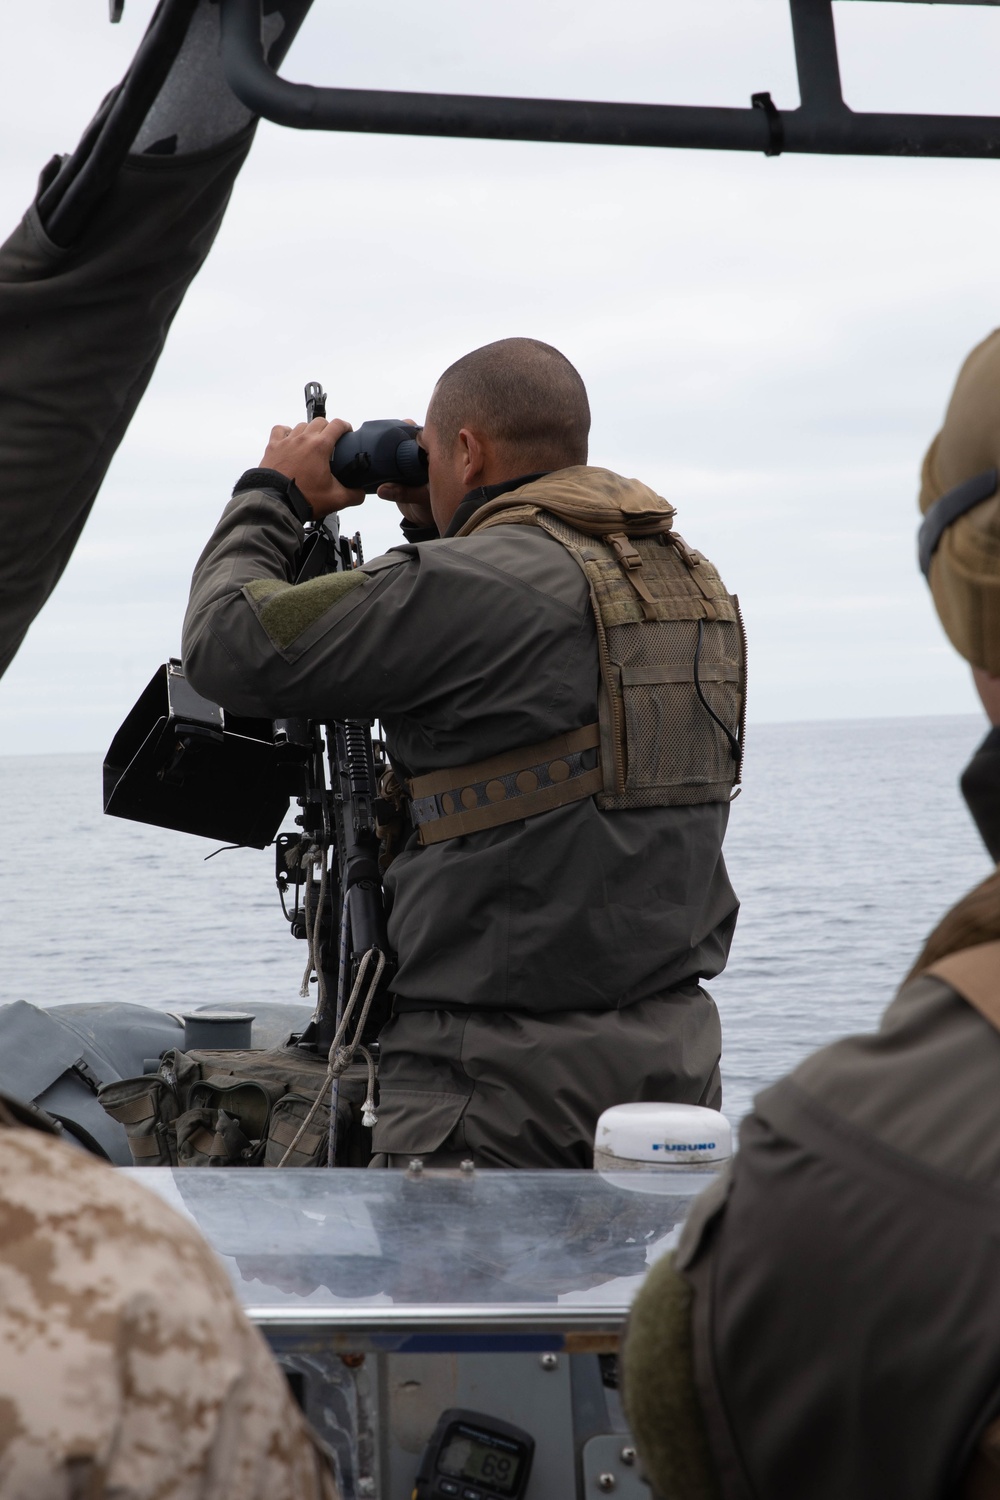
(287, 609)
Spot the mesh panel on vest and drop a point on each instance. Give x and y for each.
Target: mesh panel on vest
(674, 752)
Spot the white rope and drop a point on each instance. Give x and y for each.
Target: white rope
(345, 1056)
(340, 1057)
(368, 1115)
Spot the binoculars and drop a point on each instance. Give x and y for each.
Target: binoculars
(379, 453)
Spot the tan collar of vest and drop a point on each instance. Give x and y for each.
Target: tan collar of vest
(975, 974)
(594, 500)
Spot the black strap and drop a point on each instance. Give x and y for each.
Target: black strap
(278, 484)
(775, 128)
(952, 504)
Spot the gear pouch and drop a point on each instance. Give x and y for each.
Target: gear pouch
(248, 1100)
(213, 1138)
(287, 1117)
(147, 1107)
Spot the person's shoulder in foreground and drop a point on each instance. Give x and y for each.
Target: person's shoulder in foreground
(843, 1265)
(828, 1325)
(127, 1367)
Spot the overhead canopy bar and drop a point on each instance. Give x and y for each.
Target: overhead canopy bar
(822, 124)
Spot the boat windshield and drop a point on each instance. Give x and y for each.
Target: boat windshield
(371, 1251)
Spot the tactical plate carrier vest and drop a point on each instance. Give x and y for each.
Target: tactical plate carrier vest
(673, 669)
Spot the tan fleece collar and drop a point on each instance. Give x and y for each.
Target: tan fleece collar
(591, 498)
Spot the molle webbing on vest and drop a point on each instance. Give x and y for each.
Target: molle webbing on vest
(975, 974)
(518, 784)
(670, 637)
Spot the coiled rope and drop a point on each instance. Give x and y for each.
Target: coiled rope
(341, 1055)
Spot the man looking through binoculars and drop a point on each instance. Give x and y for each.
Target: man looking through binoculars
(559, 679)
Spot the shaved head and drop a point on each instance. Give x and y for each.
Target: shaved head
(521, 394)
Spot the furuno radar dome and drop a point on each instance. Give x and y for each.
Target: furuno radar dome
(661, 1135)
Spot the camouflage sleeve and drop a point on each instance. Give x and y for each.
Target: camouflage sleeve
(126, 1364)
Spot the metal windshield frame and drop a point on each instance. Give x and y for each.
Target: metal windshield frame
(822, 123)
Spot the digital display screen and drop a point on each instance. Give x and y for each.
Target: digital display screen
(494, 1465)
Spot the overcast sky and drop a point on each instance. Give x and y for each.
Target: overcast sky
(769, 343)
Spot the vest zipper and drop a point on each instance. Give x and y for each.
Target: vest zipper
(743, 696)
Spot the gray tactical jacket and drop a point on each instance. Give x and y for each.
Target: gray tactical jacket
(83, 319)
(465, 648)
(846, 1284)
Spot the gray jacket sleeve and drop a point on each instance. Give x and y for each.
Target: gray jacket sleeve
(262, 645)
(448, 638)
(80, 333)
(92, 277)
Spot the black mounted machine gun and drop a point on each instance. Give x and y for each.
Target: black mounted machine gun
(329, 874)
(179, 761)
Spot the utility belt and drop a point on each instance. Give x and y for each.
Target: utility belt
(240, 1109)
(519, 784)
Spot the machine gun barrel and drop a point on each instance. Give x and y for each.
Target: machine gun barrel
(342, 816)
(358, 881)
(352, 765)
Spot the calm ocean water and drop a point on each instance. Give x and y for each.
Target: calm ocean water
(848, 843)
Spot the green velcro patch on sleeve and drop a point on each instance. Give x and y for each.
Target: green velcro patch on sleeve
(287, 609)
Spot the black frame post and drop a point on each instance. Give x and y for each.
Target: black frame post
(823, 124)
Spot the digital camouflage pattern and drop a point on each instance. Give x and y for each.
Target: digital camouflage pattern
(127, 1367)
